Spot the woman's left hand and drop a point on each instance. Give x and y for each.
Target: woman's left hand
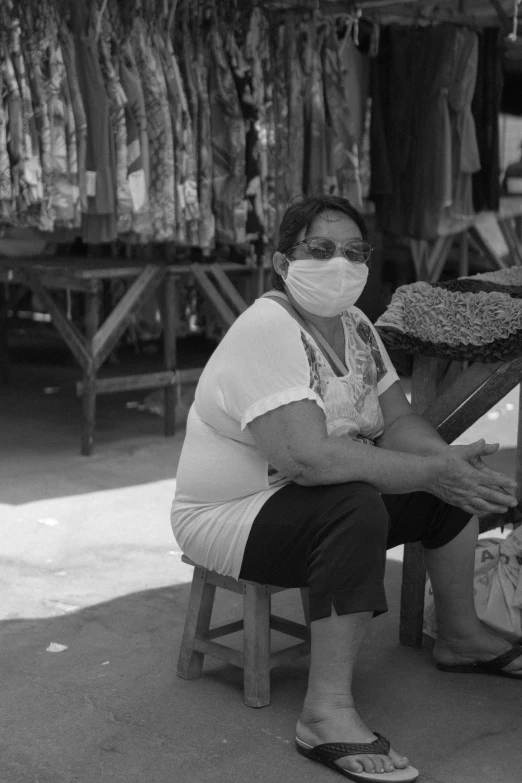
(478, 462)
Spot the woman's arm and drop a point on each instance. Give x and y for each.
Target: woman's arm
(293, 438)
(405, 430)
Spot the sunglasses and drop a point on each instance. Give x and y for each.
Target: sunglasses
(358, 251)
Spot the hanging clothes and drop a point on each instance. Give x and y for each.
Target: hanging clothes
(315, 178)
(138, 158)
(187, 84)
(187, 207)
(80, 118)
(258, 55)
(35, 51)
(118, 103)
(228, 148)
(15, 130)
(243, 79)
(207, 221)
(465, 160)
(65, 194)
(344, 126)
(278, 47)
(31, 187)
(486, 108)
(6, 193)
(294, 169)
(159, 129)
(412, 163)
(99, 221)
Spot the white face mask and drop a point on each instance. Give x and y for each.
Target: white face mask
(326, 287)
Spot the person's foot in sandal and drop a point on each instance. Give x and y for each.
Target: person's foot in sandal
(481, 647)
(330, 723)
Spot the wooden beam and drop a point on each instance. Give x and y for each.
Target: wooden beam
(118, 321)
(170, 321)
(220, 651)
(438, 257)
(464, 386)
(289, 654)
(189, 376)
(225, 582)
(71, 335)
(224, 630)
(150, 380)
(511, 240)
(497, 386)
(288, 627)
(213, 296)
(479, 241)
(229, 288)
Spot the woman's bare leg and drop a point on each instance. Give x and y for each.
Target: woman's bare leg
(329, 713)
(461, 638)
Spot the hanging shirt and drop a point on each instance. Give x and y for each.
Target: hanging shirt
(264, 361)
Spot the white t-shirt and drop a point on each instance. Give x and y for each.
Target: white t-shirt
(265, 360)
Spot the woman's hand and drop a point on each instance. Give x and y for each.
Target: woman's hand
(461, 478)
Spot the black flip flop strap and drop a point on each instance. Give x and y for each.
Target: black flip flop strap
(331, 751)
(502, 660)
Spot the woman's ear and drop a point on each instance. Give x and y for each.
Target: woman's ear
(280, 264)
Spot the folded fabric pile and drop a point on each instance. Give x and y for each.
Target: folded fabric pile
(477, 318)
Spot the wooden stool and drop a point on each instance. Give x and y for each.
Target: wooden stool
(256, 660)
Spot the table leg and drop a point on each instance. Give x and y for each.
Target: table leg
(518, 473)
(464, 255)
(425, 376)
(4, 339)
(169, 347)
(89, 374)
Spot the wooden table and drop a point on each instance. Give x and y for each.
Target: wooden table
(452, 400)
(92, 347)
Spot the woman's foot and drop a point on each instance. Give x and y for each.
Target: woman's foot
(483, 645)
(327, 723)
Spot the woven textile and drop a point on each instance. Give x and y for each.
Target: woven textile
(477, 318)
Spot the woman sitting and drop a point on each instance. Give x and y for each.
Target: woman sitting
(303, 462)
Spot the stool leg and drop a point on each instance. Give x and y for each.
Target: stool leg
(256, 644)
(197, 622)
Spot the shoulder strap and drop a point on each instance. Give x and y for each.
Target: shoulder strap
(314, 331)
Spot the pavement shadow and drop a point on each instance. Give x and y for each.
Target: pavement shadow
(111, 707)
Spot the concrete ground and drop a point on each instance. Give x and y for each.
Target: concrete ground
(88, 561)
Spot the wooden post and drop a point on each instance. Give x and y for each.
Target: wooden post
(518, 473)
(305, 599)
(464, 255)
(89, 373)
(4, 336)
(256, 644)
(169, 346)
(423, 392)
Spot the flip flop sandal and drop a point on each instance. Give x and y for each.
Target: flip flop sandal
(330, 752)
(495, 666)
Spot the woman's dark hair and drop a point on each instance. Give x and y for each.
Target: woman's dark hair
(300, 214)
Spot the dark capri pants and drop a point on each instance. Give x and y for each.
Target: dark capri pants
(333, 539)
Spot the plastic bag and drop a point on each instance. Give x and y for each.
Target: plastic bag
(497, 584)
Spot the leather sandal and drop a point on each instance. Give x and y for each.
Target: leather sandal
(495, 666)
(330, 752)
